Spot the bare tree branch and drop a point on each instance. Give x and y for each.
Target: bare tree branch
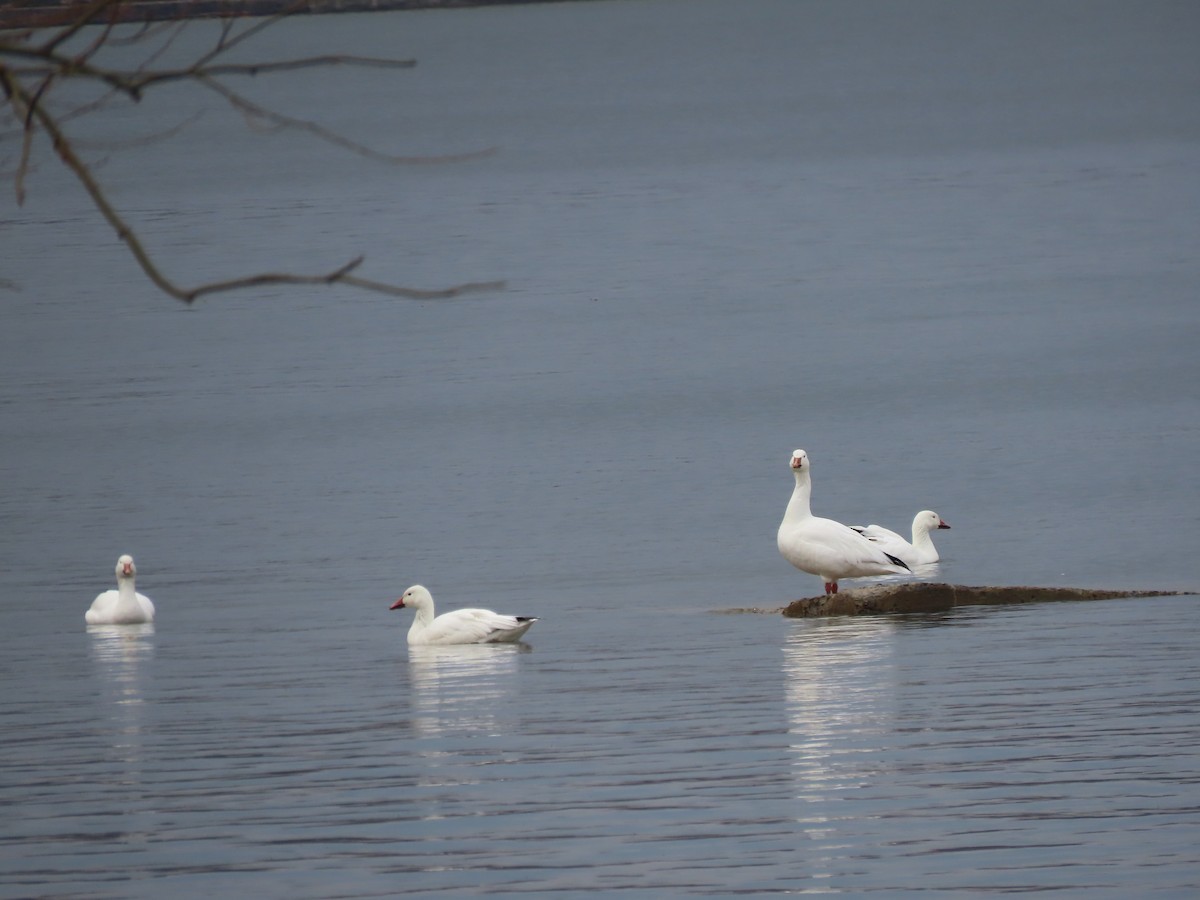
(27, 86)
(223, 45)
(471, 287)
(340, 275)
(133, 83)
(140, 140)
(281, 121)
(86, 16)
(23, 166)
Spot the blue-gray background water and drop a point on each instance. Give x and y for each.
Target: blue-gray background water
(947, 248)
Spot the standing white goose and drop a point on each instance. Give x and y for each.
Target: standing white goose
(921, 551)
(124, 606)
(459, 626)
(824, 547)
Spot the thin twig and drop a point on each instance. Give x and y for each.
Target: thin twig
(12, 90)
(37, 98)
(161, 49)
(53, 65)
(341, 275)
(139, 82)
(23, 166)
(67, 67)
(224, 46)
(100, 40)
(473, 287)
(142, 140)
(83, 18)
(133, 83)
(145, 31)
(248, 107)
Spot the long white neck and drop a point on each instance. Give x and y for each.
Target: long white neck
(127, 604)
(423, 616)
(798, 507)
(922, 541)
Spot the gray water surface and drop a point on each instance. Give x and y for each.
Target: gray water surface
(947, 248)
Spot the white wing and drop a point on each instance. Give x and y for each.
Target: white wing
(475, 626)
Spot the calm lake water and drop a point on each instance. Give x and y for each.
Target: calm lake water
(948, 248)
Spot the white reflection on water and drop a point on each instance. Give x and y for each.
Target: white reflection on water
(839, 679)
(462, 689)
(120, 653)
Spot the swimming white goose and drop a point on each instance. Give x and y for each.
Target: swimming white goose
(921, 551)
(124, 606)
(824, 547)
(459, 626)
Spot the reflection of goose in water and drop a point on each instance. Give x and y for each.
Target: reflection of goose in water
(461, 688)
(121, 653)
(839, 680)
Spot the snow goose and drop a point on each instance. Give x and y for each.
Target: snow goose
(124, 606)
(459, 626)
(824, 547)
(920, 552)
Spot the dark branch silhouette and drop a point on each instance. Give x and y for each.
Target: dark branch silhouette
(30, 70)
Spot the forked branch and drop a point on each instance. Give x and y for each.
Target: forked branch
(29, 71)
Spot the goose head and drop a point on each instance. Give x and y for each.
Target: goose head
(800, 461)
(416, 597)
(125, 567)
(928, 520)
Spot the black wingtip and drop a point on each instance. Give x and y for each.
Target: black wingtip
(897, 560)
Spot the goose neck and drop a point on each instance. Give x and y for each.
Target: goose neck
(798, 507)
(922, 540)
(423, 616)
(920, 537)
(126, 596)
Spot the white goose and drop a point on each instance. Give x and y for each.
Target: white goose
(124, 606)
(920, 552)
(459, 626)
(824, 547)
